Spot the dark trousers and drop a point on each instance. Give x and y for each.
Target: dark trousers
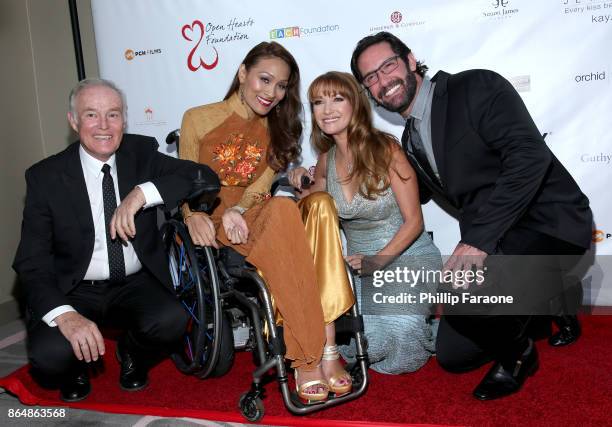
(151, 316)
(466, 342)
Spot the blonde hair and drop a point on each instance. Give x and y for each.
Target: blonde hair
(370, 148)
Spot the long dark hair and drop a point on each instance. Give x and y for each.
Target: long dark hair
(397, 46)
(284, 123)
(371, 149)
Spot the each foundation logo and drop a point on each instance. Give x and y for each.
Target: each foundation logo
(281, 33)
(148, 113)
(500, 3)
(129, 54)
(302, 31)
(396, 17)
(600, 236)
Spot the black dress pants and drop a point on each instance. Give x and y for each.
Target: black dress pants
(465, 342)
(151, 316)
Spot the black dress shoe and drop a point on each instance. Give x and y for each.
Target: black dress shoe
(569, 331)
(133, 375)
(502, 381)
(75, 388)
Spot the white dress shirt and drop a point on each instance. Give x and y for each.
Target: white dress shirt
(98, 266)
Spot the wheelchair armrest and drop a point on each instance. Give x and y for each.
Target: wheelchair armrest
(203, 194)
(283, 181)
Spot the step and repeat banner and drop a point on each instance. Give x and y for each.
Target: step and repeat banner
(170, 55)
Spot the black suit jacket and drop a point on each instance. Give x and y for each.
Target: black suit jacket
(57, 233)
(494, 166)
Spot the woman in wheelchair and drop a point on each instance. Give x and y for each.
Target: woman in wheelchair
(247, 138)
(376, 192)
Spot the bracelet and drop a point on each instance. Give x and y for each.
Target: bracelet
(188, 213)
(240, 209)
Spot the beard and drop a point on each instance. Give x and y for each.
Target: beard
(399, 104)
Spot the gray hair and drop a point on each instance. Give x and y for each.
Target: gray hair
(91, 82)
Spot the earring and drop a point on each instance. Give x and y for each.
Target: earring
(241, 92)
(277, 109)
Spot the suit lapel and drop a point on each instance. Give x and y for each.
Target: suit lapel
(438, 121)
(126, 171)
(418, 167)
(74, 180)
(127, 174)
(77, 190)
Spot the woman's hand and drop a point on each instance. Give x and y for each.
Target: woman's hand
(355, 261)
(235, 226)
(202, 230)
(295, 177)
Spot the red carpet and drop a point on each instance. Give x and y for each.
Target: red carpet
(572, 387)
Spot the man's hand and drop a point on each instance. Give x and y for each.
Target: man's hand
(235, 226)
(83, 334)
(202, 230)
(122, 222)
(464, 257)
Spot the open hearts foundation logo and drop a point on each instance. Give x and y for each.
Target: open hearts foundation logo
(194, 32)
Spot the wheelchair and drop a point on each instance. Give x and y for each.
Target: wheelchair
(230, 309)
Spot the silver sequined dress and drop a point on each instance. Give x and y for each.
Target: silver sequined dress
(397, 342)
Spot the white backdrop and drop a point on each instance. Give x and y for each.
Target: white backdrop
(169, 55)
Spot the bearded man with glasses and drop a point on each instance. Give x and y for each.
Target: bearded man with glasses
(475, 147)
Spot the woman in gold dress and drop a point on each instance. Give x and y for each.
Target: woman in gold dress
(247, 138)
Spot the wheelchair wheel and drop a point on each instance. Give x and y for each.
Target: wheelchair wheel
(251, 407)
(226, 350)
(196, 285)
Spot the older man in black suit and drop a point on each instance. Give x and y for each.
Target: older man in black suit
(83, 261)
(474, 144)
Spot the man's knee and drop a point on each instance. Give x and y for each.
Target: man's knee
(168, 325)
(49, 352)
(451, 363)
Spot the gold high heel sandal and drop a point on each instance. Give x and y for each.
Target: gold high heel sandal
(311, 398)
(331, 353)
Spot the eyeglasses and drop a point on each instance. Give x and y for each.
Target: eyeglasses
(386, 67)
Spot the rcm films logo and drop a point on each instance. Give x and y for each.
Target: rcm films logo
(600, 236)
(130, 54)
(205, 38)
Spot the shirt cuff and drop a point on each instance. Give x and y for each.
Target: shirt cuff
(50, 317)
(152, 196)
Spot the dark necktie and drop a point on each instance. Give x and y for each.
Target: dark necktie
(116, 262)
(419, 150)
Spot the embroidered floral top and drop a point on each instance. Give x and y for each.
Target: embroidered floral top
(233, 141)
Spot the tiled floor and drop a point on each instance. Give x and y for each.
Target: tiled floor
(13, 356)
